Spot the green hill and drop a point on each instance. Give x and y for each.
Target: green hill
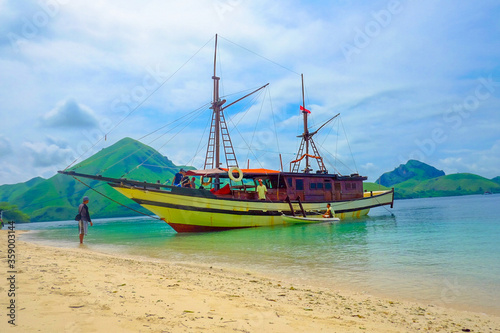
(367, 187)
(450, 185)
(419, 180)
(412, 170)
(14, 190)
(56, 198)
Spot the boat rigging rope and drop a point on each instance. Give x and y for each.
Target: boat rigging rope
(119, 203)
(336, 170)
(350, 150)
(274, 122)
(141, 148)
(254, 129)
(392, 214)
(246, 143)
(139, 105)
(202, 139)
(267, 59)
(335, 156)
(193, 117)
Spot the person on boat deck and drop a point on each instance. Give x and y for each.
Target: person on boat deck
(329, 212)
(261, 190)
(185, 182)
(178, 177)
(83, 210)
(193, 182)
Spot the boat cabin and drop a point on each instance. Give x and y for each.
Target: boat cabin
(309, 187)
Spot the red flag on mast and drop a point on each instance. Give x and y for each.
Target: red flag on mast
(303, 109)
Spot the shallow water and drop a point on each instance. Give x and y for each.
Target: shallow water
(444, 251)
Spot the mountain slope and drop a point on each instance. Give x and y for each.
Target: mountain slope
(58, 197)
(450, 185)
(13, 190)
(368, 186)
(413, 169)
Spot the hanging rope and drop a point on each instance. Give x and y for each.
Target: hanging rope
(139, 105)
(193, 117)
(202, 138)
(267, 59)
(350, 150)
(119, 203)
(203, 107)
(255, 128)
(274, 122)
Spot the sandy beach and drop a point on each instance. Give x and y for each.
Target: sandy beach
(79, 290)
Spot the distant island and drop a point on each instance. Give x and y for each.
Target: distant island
(416, 179)
(57, 198)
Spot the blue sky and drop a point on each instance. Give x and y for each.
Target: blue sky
(411, 79)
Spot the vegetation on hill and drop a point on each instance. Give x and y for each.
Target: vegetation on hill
(412, 170)
(14, 190)
(58, 197)
(450, 185)
(419, 180)
(367, 187)
(12, 213)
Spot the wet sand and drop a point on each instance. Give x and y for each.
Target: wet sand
(79, 290)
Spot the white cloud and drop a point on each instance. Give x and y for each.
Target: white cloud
(70, 114)
(45, 154)
(481, 162)
(5, 146)
(392, 94)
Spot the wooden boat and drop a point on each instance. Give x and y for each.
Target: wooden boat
(229, 198)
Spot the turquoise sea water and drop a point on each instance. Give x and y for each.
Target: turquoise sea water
(443, 251)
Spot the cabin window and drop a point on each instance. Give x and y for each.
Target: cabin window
(276, 182)
(299, 184)
(350, 186)
(319, 186)
(281, 182)
(290, 182)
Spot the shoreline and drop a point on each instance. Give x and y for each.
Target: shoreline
(63, 289)
(449, 288)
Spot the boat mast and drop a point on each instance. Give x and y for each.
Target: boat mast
(216, 107)
(307, 140)
(216, 114)
(306, 130)
(219, 136)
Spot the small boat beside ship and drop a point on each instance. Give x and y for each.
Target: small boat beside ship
(228, 198)
(315, 219)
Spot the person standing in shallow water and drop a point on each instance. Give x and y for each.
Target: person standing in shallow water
(83, 210)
